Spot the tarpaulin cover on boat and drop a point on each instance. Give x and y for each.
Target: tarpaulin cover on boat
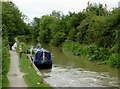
(40, 53)
(47, 54)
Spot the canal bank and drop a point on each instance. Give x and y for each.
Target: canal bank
(69, 70)
(92, 52)
(32, 79)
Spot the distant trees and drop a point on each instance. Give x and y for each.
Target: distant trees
(35, 27)
(46, 27)
(95, 26)
(98, 10)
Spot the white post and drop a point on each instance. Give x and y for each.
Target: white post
(43, 55)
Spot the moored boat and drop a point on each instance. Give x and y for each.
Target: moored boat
(41, 59)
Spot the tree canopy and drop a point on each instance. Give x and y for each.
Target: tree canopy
(95, 25)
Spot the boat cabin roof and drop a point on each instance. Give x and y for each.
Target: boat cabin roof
(39, 54)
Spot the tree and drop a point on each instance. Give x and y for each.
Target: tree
(97, 9)
(12, 22)
(36, 27)
(46, 27)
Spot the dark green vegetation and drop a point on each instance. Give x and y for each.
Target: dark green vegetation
(5, 62)
(93, 33)
(0, 62)
(31, 77)
(12, 20)
(12, 25)
(93, 53)
(96, 28)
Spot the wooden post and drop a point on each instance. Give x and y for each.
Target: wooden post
(41, 79)
(38, 72)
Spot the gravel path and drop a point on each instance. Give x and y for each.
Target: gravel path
(14, 75)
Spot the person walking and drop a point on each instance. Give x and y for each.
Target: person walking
(10, 44)
(15, 46)
(39, 45)
(20, 51)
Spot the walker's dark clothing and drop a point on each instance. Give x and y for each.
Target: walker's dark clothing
(10, 44)
(20, 55)
(20, 51)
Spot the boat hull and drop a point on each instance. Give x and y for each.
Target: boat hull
(43, 64)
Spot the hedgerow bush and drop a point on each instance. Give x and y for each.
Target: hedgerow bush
(5, 61)
(94, 53)
(58, 38)
(114, 60)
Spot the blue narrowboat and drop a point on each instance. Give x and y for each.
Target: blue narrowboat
(42, 59)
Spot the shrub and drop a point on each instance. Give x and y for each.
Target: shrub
(22, 38)
(114, 60)
(5, 61)
(58, 38)
(72, 34)
(94, 53)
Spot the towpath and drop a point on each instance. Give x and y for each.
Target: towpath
(14, 75)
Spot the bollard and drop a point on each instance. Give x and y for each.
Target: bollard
(41, 79)
(27, 56)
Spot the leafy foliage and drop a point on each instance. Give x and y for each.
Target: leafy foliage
(5, 61)
(96, 27)
(12, 26)
(94, 53)
(58, 38)
(11, 19)
(114, 60)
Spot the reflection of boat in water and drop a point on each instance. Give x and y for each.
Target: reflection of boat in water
(41, 58)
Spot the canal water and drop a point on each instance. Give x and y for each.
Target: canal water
(69, 70)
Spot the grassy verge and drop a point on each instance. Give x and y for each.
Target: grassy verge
(94, 53)
(5, 81)
(5, 62)
(31, 77)
(0, 62)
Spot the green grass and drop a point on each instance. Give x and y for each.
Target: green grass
(0, 62)
(5, 81)
(5, 63)
(31, 77)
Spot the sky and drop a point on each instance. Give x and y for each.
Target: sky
(38, 8)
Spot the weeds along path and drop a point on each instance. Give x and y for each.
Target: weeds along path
(14, 75)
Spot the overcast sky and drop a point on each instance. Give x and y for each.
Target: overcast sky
(38, 8)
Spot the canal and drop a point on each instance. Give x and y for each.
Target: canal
(69, 70)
